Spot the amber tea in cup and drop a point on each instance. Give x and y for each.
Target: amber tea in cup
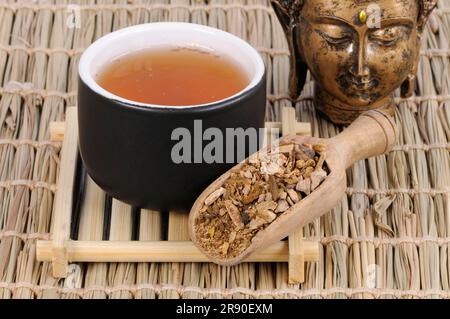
(140, 86)
(175, 77)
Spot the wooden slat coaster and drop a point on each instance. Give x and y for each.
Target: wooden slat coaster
(178, 231)
(63, 200)
(296, 255)
(121, 230)
(120, 221)
(178, 226)
(91, 229)
(177, 249)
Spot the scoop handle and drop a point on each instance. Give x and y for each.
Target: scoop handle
(372, 133)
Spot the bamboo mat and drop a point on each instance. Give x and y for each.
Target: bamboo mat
(388, 238)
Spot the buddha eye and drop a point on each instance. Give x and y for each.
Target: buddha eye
(335, 36)
(388, 36)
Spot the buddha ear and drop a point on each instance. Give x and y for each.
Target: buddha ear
(409, 84)
(288, 13)
(283, 13)
(426, 7)
(299, 69)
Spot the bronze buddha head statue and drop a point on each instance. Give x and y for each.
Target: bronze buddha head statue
(358, 52)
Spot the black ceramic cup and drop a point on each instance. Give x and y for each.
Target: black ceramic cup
(128, 147)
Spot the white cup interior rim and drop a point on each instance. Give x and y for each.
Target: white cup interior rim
(159, 34)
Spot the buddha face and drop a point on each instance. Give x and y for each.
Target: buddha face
(358, 61)
(358, 51)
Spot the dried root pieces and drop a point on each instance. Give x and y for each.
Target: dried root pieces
(256, 194)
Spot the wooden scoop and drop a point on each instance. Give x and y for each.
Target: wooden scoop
(373, 133)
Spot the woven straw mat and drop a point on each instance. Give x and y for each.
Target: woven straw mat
(388, 238)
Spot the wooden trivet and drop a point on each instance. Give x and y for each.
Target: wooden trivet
(62, 250)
